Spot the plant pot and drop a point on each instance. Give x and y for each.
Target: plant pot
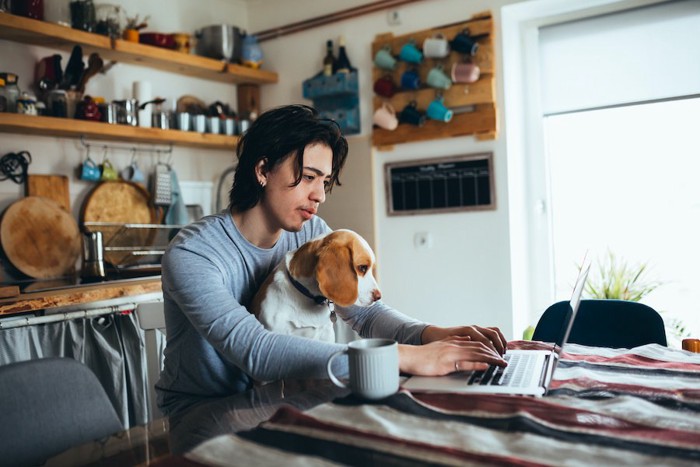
(131, 35)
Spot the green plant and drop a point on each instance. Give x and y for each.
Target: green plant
(617, 279)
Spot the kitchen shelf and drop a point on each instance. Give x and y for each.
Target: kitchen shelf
(67, 127)
(34, 32)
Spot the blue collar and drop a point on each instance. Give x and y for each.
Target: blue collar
(318, 299)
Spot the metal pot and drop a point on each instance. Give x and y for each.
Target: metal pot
(221, 41)
(127, 112)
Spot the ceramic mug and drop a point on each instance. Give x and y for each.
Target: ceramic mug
(385, 86)
(410, 53)
(410, 79)
(199, 123)
(436, 46)
(465, 72)
(109, 173)
(438, 79)
(374, 368)
(411, 115)
(384, 60)
(385, 117)
(214, 125)
(437, 111)
(89, 170)
(464, 43)
(133, 173)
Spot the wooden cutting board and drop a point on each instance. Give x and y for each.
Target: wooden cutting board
(118, 202)
(40, 238)
(54, 187)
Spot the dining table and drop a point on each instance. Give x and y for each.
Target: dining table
(604, 406)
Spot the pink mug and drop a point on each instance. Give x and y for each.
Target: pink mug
(465, 72)
(385, 117)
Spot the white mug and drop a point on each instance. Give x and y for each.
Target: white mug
(436, 46)
(385, 117)
(374, 368)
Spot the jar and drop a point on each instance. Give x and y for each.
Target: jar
(28, 8)
(252, 55)
(26, 104)
(3, 96)
(82, 15)
(11, 91)
(57, 11)
(57, 103)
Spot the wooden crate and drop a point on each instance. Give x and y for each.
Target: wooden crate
(480, 95)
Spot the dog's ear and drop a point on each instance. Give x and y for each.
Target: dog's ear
(336, 275)
(303, 263)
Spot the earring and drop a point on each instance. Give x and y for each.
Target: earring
(262, 183)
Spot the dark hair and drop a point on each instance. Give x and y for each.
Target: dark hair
(277, 134)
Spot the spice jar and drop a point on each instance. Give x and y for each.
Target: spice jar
(82, 15)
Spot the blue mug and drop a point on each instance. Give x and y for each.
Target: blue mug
(89, 171)
(437, 111)
(410, 79)
(464, 43)
(410, 53)
(411, 115)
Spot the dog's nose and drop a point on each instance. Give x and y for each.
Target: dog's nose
(376, 295)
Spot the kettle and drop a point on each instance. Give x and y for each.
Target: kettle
(93, 260)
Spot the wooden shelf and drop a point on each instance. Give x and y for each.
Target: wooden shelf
(66, 127)
(30, 31)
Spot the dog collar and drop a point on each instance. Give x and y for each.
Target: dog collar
(318, 299)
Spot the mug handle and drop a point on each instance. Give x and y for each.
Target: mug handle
(333, 378)
(389, 108)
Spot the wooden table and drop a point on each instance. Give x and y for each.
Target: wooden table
(606, 407)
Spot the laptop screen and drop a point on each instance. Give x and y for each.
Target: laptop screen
(570, 315)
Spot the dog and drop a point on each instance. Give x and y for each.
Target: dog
(299, 296)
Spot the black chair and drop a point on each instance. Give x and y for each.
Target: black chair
(604, 323)
(48, 406)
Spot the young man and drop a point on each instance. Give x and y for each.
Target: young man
(288, 160)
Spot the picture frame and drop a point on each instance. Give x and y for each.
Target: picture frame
(440, 185)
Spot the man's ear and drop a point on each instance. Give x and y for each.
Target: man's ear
(261, 170)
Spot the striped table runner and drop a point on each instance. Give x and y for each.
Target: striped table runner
(605, 407)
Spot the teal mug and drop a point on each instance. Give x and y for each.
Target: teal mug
(384, 60)
(438, 79)
(437, 111)
(89, 171)
(410, 53)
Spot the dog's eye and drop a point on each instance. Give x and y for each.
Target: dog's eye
(363, 269)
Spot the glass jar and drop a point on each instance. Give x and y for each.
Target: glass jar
(82, 15)
(10, 91)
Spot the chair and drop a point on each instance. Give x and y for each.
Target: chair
(604, 323)
(48, 406)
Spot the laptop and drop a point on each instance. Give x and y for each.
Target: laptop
(529, 372)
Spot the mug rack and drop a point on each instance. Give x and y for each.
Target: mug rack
(134, 149)
(474, 104)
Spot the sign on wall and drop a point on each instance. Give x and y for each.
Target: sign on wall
(458, 183)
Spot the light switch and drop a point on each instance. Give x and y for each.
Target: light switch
(423, 240)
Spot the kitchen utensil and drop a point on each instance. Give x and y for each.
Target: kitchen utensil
(220, 41)
(74, 68)
(95, 64)
(40, 238)
(127, 112)
(53, 187)
(93, 256)
(162, 185)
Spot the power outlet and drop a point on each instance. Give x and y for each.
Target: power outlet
(393, 17)
(422, 240)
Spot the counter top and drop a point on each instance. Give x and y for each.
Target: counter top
(79, 294)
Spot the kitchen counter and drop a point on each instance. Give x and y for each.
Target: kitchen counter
(79, 295)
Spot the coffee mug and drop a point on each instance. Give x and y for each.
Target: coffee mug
(109, 173)
(199, 123)
(437, 111)
(464, 43)
(385, 117)
(89, 170)
(383, 59)
(410, 53)
(410, 79)
(385, 86)
(411, 115)
(691, 345)
(214, 125)
(465, 72)
(436, 46)
(374, 368)
(438, 79)
(133, 173)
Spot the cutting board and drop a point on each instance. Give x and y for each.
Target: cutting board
(40, 238)
(54, 187)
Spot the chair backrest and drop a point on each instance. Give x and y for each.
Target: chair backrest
(48, 406)
(605, 323)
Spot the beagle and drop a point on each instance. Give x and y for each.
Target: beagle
(298, 297)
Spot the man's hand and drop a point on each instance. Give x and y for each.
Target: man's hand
(491, 337)
(446, 356)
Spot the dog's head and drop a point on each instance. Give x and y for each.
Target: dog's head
(343, 265)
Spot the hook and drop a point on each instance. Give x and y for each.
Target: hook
(133, 155)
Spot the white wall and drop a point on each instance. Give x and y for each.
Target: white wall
(63, 155)
(465, 276)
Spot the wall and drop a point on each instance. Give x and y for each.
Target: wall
(62, 156)
(465, 276)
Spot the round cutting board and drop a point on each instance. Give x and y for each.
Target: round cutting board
(119, 203)
(40, 238)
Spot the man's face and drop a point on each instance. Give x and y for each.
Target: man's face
(288, 207)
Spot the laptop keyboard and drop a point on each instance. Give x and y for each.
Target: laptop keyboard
(520, 366)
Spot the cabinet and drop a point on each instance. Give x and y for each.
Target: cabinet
(33, 32)
(479, 96)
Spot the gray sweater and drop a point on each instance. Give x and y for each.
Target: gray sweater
(215, 347)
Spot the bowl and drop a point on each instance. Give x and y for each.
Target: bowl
(157, 39)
